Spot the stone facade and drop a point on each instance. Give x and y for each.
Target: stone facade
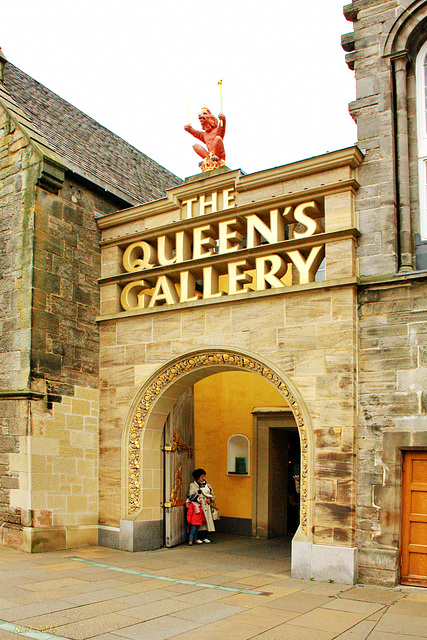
(81, 440)
(392, 296)
(18, 166)
(309, 349)
(50, 347)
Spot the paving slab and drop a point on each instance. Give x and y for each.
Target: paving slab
(403, 624)
(49, 585)
(419, 596)
(275, 592)
(157, 609)
(30, 610)
(137, 599)
(246, 600)
(256, 581)
(323, 620)
(88, 601)
(95, 596)
(218, 631)
(360, 631)
(6, 604)
(152, 585)
(373, 594)
(161, 629)
(65, 616)
(262, 617)
(289, 631)
(298, 602)
(381, 635)
(95, 626)
(354, 606)
(182, 588)
(327, 589)
(408, 607)
(215, 611)
(377, 616)
(92, 587)
(203, 596)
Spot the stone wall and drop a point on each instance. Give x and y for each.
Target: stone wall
(392, 361)
(372, 110)
(13, 425)
(57, 468)
(393, 415)
(310, 337)
(58, 461)
(383, 59)
(66, 296)
(49, 351)
(18, 167)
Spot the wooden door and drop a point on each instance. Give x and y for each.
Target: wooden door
(413, 562)
(178, 464)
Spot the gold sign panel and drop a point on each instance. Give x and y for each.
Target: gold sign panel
(224, 257)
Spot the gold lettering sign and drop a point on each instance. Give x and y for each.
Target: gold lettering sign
(208, 203)
(221, 242)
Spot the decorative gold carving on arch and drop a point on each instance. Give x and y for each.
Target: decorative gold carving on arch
(183, 367)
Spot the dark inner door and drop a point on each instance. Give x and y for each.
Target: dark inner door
(283, 496)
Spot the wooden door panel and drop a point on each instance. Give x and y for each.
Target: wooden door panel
(414, 519)
(418, 471)
(419, 502)
(418, 532)
(418, 565)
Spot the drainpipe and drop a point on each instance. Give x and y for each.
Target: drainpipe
(399, 62)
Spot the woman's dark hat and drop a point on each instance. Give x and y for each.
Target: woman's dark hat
(198, 472)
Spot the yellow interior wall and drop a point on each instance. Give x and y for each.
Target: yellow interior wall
(223, 405)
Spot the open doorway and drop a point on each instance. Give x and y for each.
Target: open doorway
(276, 482)
(251, 455)
(283, 481)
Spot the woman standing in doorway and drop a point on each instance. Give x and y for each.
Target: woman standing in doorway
(200, 487)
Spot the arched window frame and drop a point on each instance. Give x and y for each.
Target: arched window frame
(421, 84)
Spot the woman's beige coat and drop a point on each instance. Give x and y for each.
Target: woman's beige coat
(206, 491)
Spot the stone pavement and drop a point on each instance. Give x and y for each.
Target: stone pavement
(237, 588)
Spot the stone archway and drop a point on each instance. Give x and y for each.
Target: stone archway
(156, 397)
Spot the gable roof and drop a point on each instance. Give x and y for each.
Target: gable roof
(86, 147)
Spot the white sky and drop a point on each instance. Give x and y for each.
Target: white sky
(134, 65)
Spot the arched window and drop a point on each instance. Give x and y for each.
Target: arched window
(421, 80)
(238, 449)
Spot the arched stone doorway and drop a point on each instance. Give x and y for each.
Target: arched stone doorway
(148, 414)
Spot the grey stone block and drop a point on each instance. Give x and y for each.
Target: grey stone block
(301, 559)
(143, 535)
(323, 562)
(334, 563)
(108, 537)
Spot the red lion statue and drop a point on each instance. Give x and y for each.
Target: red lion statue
(212, 135)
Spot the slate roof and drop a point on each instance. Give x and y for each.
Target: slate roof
(86, 147)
